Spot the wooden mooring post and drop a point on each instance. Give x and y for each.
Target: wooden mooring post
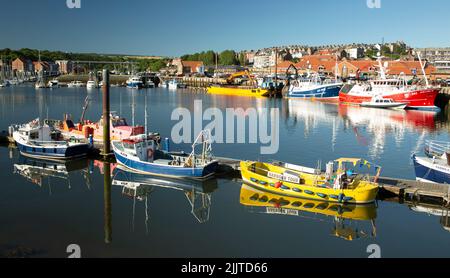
(106, 151)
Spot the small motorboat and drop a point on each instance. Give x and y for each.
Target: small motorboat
(172, 84)
(4, 84)
(141, 155)
(53, 83)
(42, 141)
(339, 184)
(384, 103)
(135, 82)
(92, 84)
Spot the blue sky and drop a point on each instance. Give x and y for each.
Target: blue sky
(176, 27)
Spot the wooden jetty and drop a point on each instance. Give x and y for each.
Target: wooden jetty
(410, 189)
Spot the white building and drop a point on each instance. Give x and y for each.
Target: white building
(355, 53)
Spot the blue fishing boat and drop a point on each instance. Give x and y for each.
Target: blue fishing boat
(42, 141)
(140, 154)
(314, 86)
(435, 166)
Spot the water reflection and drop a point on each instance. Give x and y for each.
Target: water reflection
(140, 187)
(370, 126)
(436, 211)
(40, 171)
(346, 220)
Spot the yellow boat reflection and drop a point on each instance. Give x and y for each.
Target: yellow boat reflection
(269, 203)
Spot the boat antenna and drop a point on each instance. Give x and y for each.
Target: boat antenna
(422, 66)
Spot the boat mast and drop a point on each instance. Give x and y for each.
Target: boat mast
(423, 70)
(145, 110)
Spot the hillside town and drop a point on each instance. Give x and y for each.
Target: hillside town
(356, 61)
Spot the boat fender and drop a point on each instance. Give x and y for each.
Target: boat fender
(285, 187)
(278, 184)
(341, 198)
(263, 183)
(347, 199)
(322, 195)
(296, 190)
(334, 197)
(253, 180)
(309, 192)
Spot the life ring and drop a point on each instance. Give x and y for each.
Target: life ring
(150, 153)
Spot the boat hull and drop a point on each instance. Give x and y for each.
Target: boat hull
(321, 92)
(428, 171)
(57, 152)
(364, 195)
(135, 85)
(235, 91)
(419, 99)
(165, 170)
(384, 106)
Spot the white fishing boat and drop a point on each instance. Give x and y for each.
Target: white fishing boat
(384, 103)
(43, 141)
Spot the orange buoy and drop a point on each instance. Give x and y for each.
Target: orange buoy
(278, 184)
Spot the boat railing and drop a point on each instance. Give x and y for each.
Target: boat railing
(437, 148)
(56, 143)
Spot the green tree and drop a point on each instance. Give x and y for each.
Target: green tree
(227, 58)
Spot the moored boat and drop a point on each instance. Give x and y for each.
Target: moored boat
(85, 128)
(141, 154)
(135, 82)
(414, 96)
(53, 83)
(92, 84)
(340, 185)
(42, 141)
(435, 166)
(314, 87)
(251, 89)
(384, 103)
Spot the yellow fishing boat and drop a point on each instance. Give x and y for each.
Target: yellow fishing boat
(341, 185)
(238, 91)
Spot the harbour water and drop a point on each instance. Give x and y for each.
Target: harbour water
(42, 212)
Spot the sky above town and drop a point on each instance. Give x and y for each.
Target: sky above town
(176, 27)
